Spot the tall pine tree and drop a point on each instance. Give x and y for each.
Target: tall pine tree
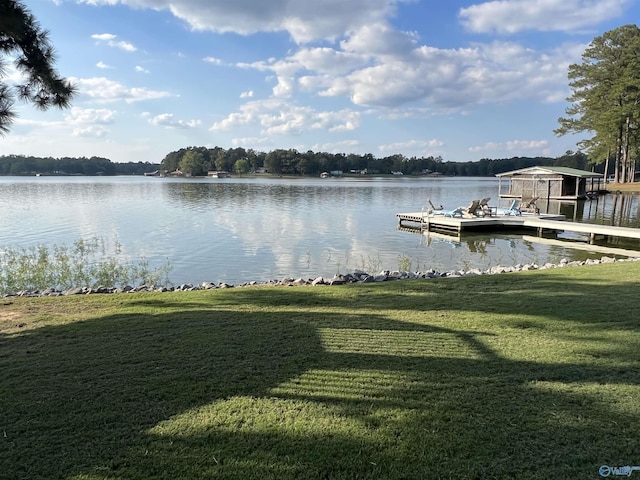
(605, 100)
(23, 40)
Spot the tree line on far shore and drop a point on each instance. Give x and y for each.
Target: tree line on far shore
(198, 161)
(24, 165)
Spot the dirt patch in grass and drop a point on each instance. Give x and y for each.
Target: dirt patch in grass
(11, 320)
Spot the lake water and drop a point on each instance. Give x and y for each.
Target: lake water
(236, 230)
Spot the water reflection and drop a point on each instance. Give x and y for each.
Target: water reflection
(617, 209)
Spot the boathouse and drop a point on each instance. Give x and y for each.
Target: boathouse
(549, 183)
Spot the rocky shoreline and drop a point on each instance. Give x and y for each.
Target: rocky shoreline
(349, 278)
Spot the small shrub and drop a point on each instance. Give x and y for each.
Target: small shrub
(404, 263)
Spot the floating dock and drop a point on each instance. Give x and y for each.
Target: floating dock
(540, 223)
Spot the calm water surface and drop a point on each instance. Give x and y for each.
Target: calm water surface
(237, 230)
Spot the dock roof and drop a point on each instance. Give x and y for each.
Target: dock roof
(565, 171)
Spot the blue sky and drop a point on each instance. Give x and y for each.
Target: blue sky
(461, 79)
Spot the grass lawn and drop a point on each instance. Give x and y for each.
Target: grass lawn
(529, 375)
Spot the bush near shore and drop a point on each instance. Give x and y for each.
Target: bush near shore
(531, 375)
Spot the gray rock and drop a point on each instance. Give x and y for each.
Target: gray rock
(474, 271)
(74, 291)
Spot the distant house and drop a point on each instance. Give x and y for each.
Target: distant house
(549, 183)
(217, 174)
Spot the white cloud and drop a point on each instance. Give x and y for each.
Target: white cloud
(322, 64)
(89, 122)
(103, 37)
(215, 61)
(323, 61)
(511, 16)
(276, 116)
(511, 146)
(103, 66)
(489, 146)
(110, 40)
(92, 131)
(442, 80)
(340, 121)
(336, 147)
(105, 90)
(250, 142)
(445, 79)
(305, 21)
(526, 144)
(412, 145)
(380, 39)
(247, 94)
(141, 69)
(168, 120)
(79, 116)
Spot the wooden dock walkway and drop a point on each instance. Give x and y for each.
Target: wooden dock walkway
(540, 223)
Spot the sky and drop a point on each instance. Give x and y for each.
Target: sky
(463, 80)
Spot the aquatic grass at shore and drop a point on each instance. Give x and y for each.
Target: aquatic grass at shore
(87, 263)
(531, 375)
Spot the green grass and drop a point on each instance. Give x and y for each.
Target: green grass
(530, 375)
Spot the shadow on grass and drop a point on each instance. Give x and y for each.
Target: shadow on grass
(215, 393)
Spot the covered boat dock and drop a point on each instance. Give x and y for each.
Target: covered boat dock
(550, 183)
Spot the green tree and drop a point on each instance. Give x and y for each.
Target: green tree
(171, 161)
(22, 38)
(241, 167)
(605, 99)
(221, 161)
(273, 162)
(192, 163)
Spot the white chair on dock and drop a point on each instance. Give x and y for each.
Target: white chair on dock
(433, 207)
(514, 209)
(469, 211)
